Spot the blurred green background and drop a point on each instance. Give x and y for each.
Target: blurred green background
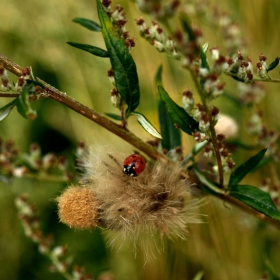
(229, 245)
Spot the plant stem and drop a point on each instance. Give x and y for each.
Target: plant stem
(267, 81)
(83, 110)
(5, 94)
(212, 130)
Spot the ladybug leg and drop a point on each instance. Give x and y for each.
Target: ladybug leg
(109, 167)
(114, 159)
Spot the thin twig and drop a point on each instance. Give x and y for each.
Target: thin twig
(5, 94)
(76, 106)
(212, 131)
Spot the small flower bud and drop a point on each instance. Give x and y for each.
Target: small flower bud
(110, 74)
(199, 136)
(106, 4)
(229, 165)
(255, 124)
(199, 111)
(49, 160)
(24, 207)
(141, 25)
(215, 114)
(215, 53)
(159, 35)
(169, 44)
(158, 45)
(204, 123)
(274, 193)
(208, 151)
(265, 185)
(59, 251)
(115, 98)
(19, 171)
(188, 101)
(203, 72)
(35, 150)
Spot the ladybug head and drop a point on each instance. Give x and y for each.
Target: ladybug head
(130, 170)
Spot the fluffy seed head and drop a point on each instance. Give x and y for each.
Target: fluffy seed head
(77, 207)
(158, 202)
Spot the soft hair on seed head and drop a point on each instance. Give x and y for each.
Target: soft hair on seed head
(157, 202)
(77, 207)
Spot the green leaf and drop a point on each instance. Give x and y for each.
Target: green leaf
(199, 275)
(89, 24)
(35, 83)
(234, 76)
(257, 199)
(273, 64)
(206, 181)
(158, 77)
(23, 104)
(123, 65)
(179, 116)
(170, 134)
(88, 48)
(271, 269)
(262, 162)
(114, 116)
(5, 111)
(204, 62)
(145, 123)
(238, 174)
(187, 28)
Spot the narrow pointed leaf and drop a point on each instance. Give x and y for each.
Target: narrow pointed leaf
(114, 116)
(233, 75)
(187, 28)
(199, 275)
(88, 48)
(5, 111)
(89, 24)
(272, 271)
(273, 64)
(125, 72)
(179, 116)
(158, 77)
(204, 62)
(206, 181)
(238, 174)
(263, 162)
(145, 123)
(23, 104)
(257, 199)
(170, 134)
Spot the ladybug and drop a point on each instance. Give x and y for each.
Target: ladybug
(134, 165)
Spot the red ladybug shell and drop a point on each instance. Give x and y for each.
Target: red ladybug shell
(134, 165)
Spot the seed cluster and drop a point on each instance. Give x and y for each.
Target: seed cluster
(158, 202)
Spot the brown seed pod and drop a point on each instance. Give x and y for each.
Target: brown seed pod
(77, 207)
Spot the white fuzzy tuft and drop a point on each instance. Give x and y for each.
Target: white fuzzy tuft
(139, 209)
